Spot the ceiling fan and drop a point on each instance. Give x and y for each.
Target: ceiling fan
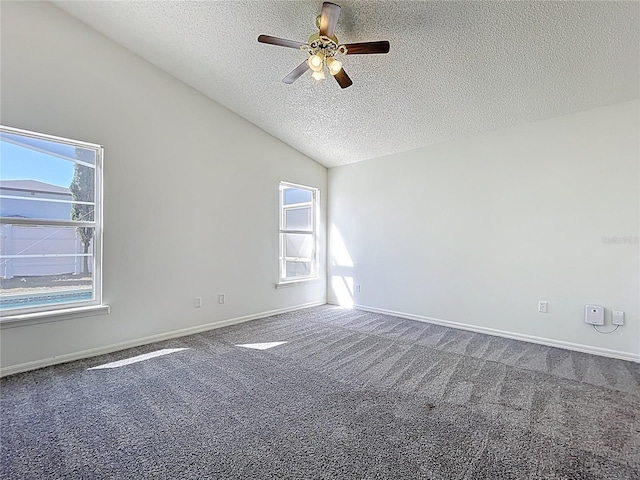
(323, 46)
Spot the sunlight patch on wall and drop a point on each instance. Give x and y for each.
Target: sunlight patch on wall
(343, 290)
(139, 358)
(339, 252)
(341, 270)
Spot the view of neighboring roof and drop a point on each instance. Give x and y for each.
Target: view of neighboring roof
(33, 186)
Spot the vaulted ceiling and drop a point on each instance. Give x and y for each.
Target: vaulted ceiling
(454, 69)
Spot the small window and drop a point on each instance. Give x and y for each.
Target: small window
(50, 223)
(298, 239)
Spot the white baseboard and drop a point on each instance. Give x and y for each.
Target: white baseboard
(605, 352)
(93, 352)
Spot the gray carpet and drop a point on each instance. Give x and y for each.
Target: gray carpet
(351, 395)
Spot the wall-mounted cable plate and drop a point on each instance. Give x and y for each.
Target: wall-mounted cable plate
(594, 314)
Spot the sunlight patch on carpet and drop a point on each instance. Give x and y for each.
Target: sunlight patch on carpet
(261, 346)
(139, 358)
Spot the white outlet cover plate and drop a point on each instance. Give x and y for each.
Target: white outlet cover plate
(617, 318)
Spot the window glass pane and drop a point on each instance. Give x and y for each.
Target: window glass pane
(86, 155)
(297, 250)
(52, 165)
(296, 195)
(41, 265)
(298, 219)
(83, 193)
(62, 247)
(34, 295)
(46, 186)
(47, 147)
(298, 246)
(298, 269)
(42, 185)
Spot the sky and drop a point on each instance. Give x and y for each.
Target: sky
(20, 163)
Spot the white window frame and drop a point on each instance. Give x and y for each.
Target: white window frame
(82, 307)
(282, 260)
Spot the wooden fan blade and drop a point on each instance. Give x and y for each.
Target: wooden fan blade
(296, 73)
(343, 79)
(329, 18)
(367, 47)
(281, 42)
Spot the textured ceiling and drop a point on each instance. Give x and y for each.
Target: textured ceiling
(455, 68)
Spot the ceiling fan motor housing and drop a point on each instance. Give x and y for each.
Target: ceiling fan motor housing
(324, 46)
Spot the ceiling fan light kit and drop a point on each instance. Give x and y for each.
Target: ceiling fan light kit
(322, 48)
(322, 51)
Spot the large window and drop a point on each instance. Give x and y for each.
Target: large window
(50, 223)
(298, 239)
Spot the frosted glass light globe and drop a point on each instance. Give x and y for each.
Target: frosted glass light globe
(334, 65)
(315, 63)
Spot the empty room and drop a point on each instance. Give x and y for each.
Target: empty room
(307, 240)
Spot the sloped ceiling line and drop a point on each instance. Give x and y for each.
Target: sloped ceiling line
(455, 68)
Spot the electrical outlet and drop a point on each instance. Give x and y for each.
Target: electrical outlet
(617, 318)
(197, 302)
(356, 288)
(543, 307)
(221, 298)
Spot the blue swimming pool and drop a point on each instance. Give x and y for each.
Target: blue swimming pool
(8, 302)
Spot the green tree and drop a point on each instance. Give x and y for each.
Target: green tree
(83, 189)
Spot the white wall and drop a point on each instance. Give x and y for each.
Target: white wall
(478, 230)
(191, 189)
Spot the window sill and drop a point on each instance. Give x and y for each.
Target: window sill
(293, 283)
(24, 319)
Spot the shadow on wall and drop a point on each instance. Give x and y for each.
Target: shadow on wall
(341, 269)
